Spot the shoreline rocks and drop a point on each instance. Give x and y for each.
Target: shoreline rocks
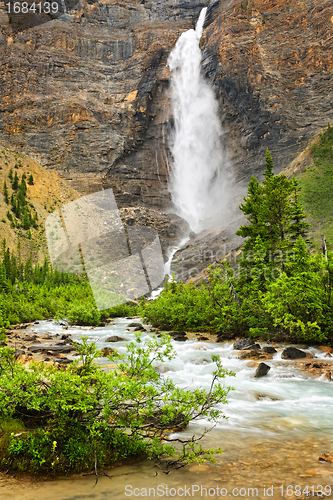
(293, 353)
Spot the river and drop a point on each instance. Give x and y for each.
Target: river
(277, 428)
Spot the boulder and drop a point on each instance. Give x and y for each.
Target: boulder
(179, 336)
(29, 338)
(252, 364)
(262, 370)
(293, 353)
(241, 344)
(268, 349)
(224, 338)
(51, 349)
(252, 347)
(115, 338)
(135, 325)
(106, 351)
(64, 361)
(327, 349)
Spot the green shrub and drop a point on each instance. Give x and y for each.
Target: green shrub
(83, 417)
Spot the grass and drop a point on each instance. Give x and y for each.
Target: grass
(317, 188)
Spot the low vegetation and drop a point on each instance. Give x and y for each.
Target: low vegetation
(34, 292)
(82, 418)
(317, 188)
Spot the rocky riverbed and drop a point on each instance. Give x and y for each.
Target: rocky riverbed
(34, 341)
(279, 427)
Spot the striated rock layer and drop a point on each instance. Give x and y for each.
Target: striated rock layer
(87, 94)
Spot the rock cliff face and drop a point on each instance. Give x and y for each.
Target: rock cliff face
(87, 94)
(271, 62)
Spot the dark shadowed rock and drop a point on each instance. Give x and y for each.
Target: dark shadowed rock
(269, 349)
(51, 349)
(115, 338)
(293, 353)
(262, 370)
(135, 325)
(243, 344)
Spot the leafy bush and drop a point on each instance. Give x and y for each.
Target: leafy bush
(83, 314)
(84, 416)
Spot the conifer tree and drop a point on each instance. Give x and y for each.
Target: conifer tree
(269, 165)
(15, 183)
(5, 192)
(252, 208)
(26, 220)
(275, 216)
(296, 217)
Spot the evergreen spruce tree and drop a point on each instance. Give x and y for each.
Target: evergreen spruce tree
(296, 217)
(26, 220)
(252, 208)
(30, 180)
(5, 192)
(275, 216)
(268, 174)
(15, 183)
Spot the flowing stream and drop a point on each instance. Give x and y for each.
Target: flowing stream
(276, 429)
(198, 175)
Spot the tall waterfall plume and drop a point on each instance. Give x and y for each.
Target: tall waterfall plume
(198, 171)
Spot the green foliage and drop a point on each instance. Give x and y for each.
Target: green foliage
(19, 205)
(83, 314)
(275, 219)
(5, 192)
(84, 416)
(30, 180)
(278, 289)
(15, 182)
(317, 187)
(31, 292)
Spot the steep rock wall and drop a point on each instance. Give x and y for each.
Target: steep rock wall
(87, 94)
(271, 62)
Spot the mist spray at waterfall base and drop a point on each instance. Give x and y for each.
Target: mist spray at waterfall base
(199, 170)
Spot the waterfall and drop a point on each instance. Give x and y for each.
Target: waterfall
(198, 166)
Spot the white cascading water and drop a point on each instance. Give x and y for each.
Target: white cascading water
(198, 173)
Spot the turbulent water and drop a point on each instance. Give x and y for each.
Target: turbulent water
(198, 176)
(276, 429)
